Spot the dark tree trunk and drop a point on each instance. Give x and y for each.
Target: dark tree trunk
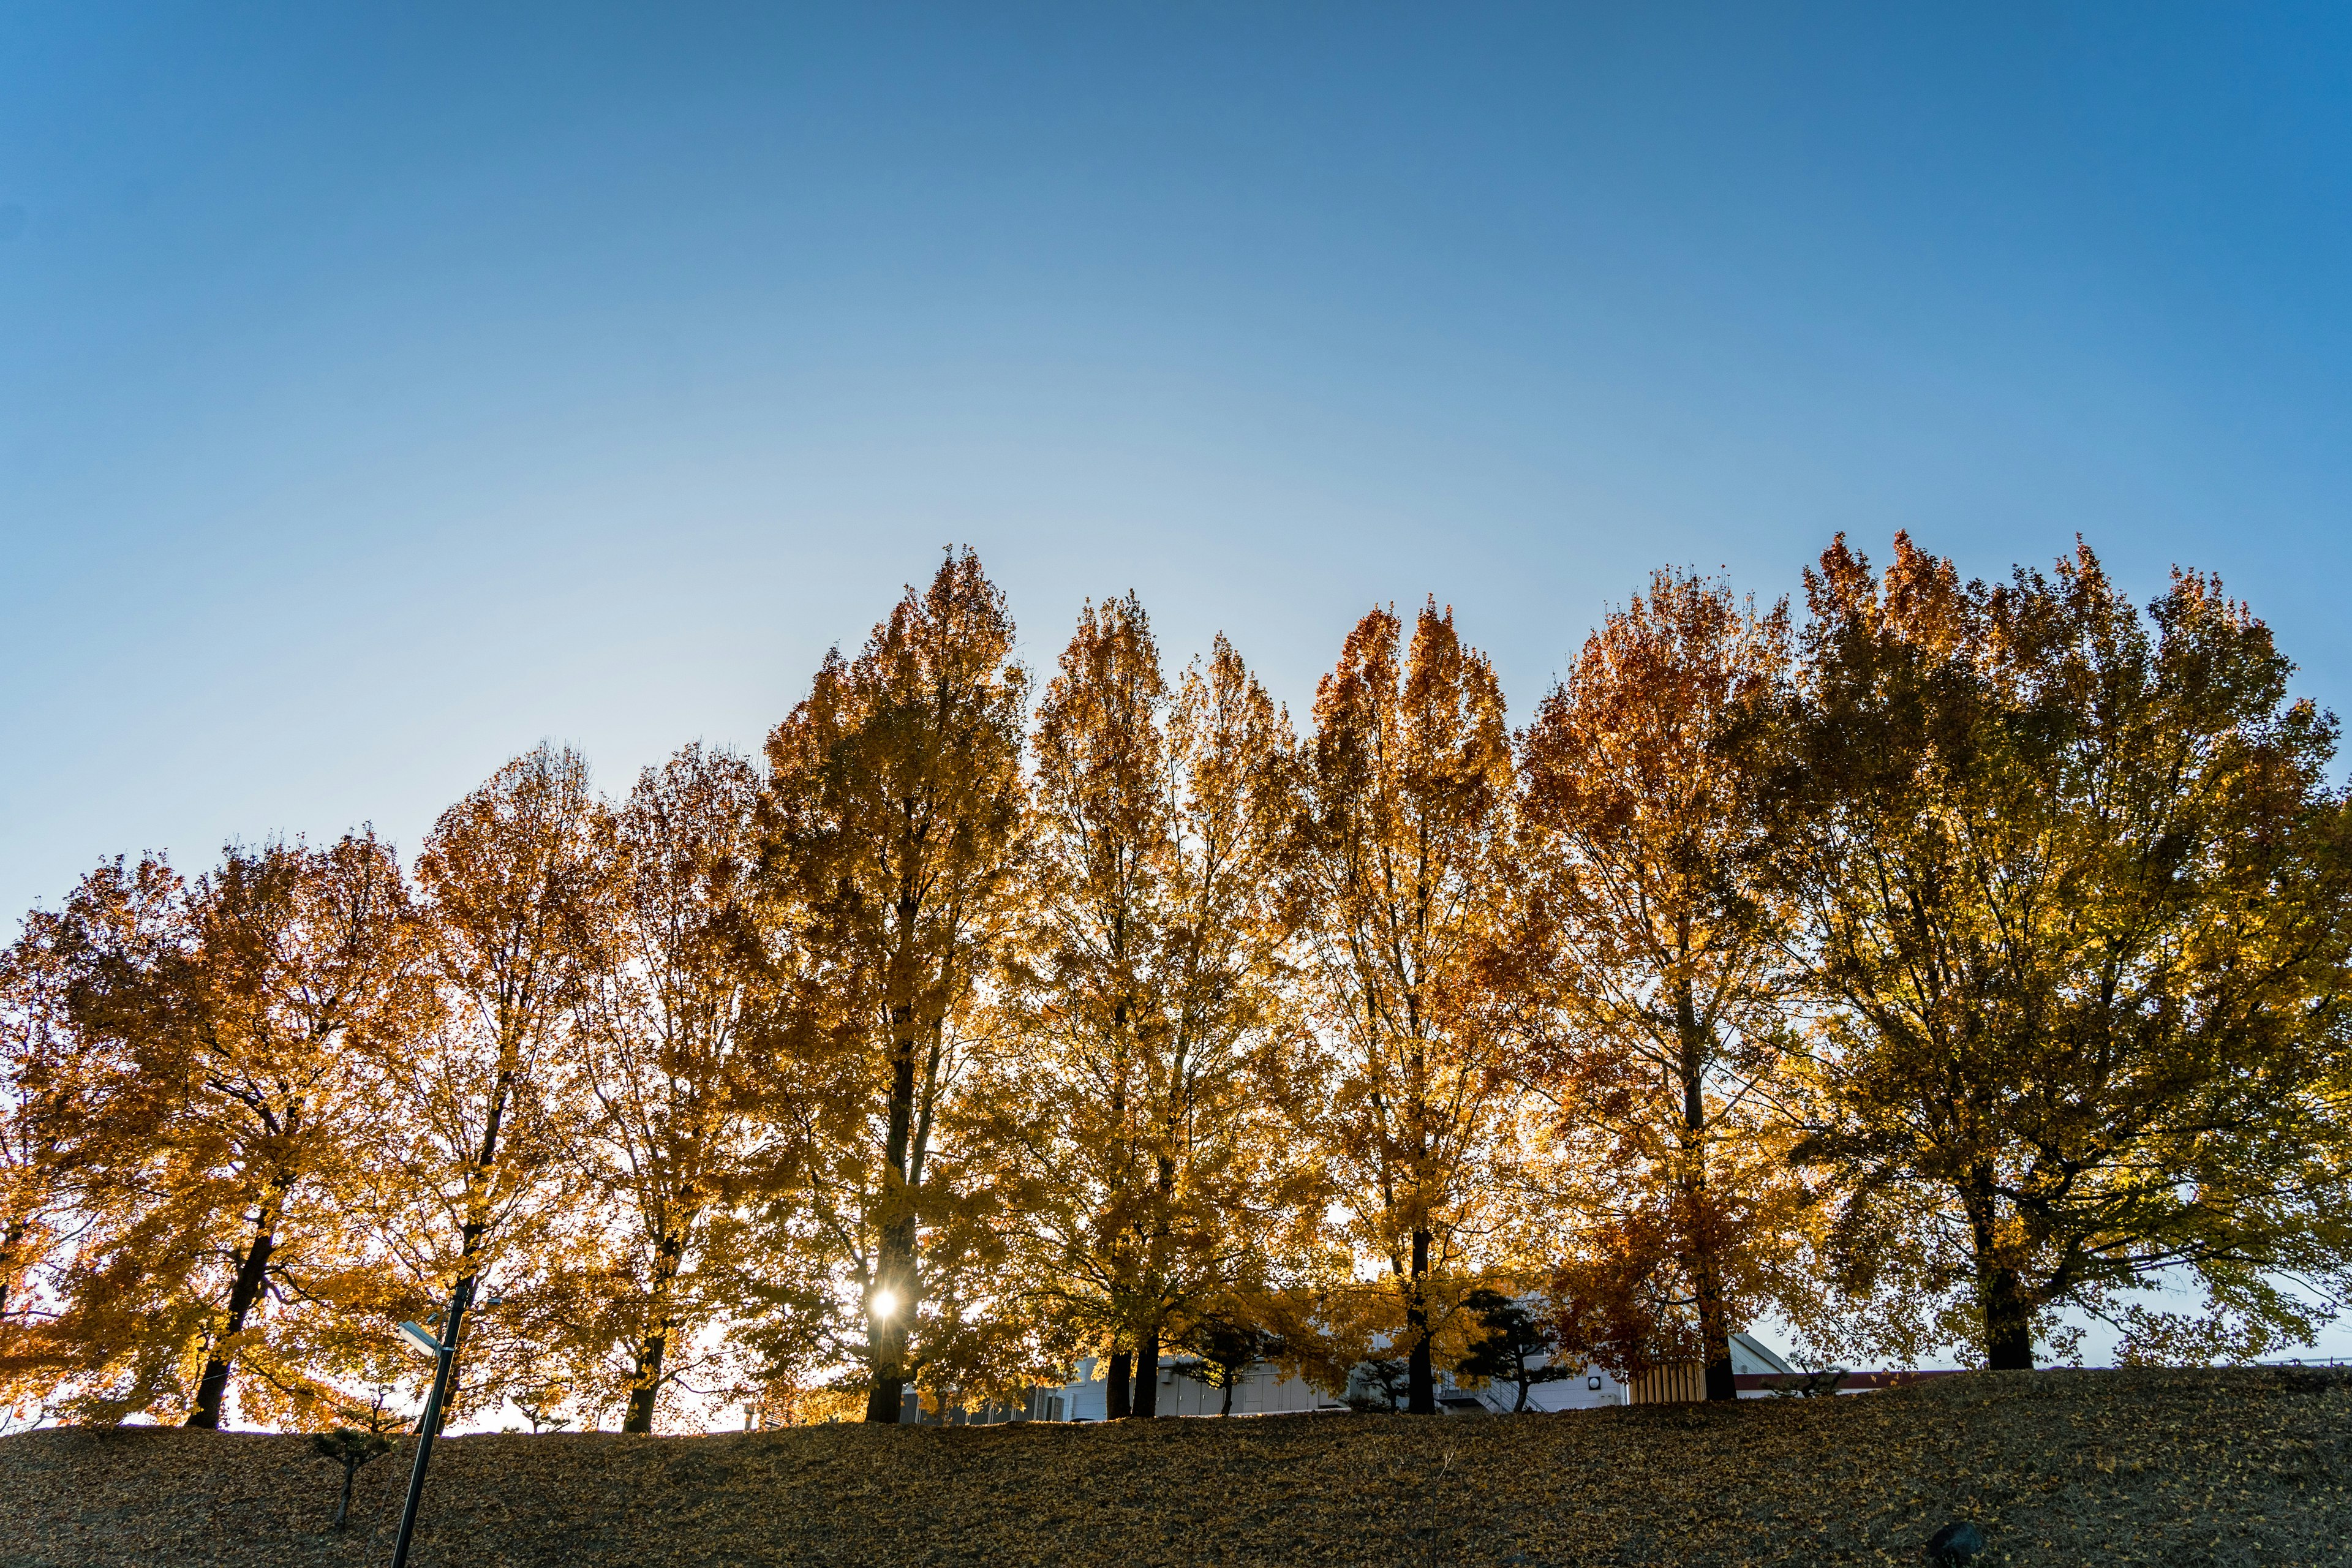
(1227, 1408)
(438, 1403)
(886, 1400)
(1146, 1376)
(1715, 1331)
(2008, 1331)
(343, 1509)
(646, 1383)
(1721, 1384)
(1114, 1397)
(9, 1264)
(1147, 1359)
(450, 1400)
(211, 1393)
(895, 1268)
(1714, 1324)
(1421, 1377)
(469, 1244)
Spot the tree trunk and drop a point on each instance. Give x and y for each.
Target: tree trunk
(450, 1400)
(8, 1270)
(895, 1268)
(1147, 1359)
(470, 1235)
(1421, 1379)
(1115, 1400)
(1714, 1331)
(1227, 1408)
(1714, 1324)
(2008, 1331)
(1146, 1376)
(2007, 1326)
(646, 1383)
(211, 1393)
(437, 1405)
(886, 1400)
(343, 1509)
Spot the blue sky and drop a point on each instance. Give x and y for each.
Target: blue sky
(381, 391)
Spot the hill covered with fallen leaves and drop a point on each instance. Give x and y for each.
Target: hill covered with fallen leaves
(2207, 1468)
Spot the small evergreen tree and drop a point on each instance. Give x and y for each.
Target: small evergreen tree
(1224, 1352)
(1513, 1338)
(541, 1410)
(1386, 1382)
(349, 1449)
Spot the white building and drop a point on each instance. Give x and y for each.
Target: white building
(1260, 1390)
(1264, 1390)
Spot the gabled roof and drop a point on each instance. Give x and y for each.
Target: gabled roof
(1751, 1357)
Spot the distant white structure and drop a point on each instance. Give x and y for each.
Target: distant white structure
(1264, 1389)
(1753, 1357)
(1260, 1391)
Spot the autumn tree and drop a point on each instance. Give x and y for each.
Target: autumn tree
(1397, 888)
(891, 825)
(1643, 969)
(517, 895)
(1076, 1085)
(307, 976)
(232, 1036)
(1134, 1097)
(77, 1103)
(668, 1031)
(2075, 898)
(35, 1185)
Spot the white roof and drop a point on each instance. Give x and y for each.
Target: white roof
(1751, 1357)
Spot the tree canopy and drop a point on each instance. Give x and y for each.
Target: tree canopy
(1939, 968)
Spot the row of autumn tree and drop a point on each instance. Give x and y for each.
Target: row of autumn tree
(1936, 970)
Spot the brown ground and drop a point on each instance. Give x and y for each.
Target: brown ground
(2055, 1468)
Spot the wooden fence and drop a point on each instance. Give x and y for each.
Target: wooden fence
(1676, 1383)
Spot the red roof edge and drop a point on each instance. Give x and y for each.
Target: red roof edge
(1853, 1380)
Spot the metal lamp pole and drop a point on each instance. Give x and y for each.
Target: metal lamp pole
(445, 1351)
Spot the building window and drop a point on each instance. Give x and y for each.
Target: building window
(1591, 1383)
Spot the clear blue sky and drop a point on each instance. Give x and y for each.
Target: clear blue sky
(381, 392)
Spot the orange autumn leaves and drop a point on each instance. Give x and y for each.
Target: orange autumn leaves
(983, 1025)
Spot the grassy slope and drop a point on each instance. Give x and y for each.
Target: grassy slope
(2057, 1467)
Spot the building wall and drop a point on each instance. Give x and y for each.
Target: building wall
(1590, 1389)
(1264, 1390)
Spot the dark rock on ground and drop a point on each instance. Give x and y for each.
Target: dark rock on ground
(1956, 1543)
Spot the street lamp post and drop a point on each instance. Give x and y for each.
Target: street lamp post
(444, 1350)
